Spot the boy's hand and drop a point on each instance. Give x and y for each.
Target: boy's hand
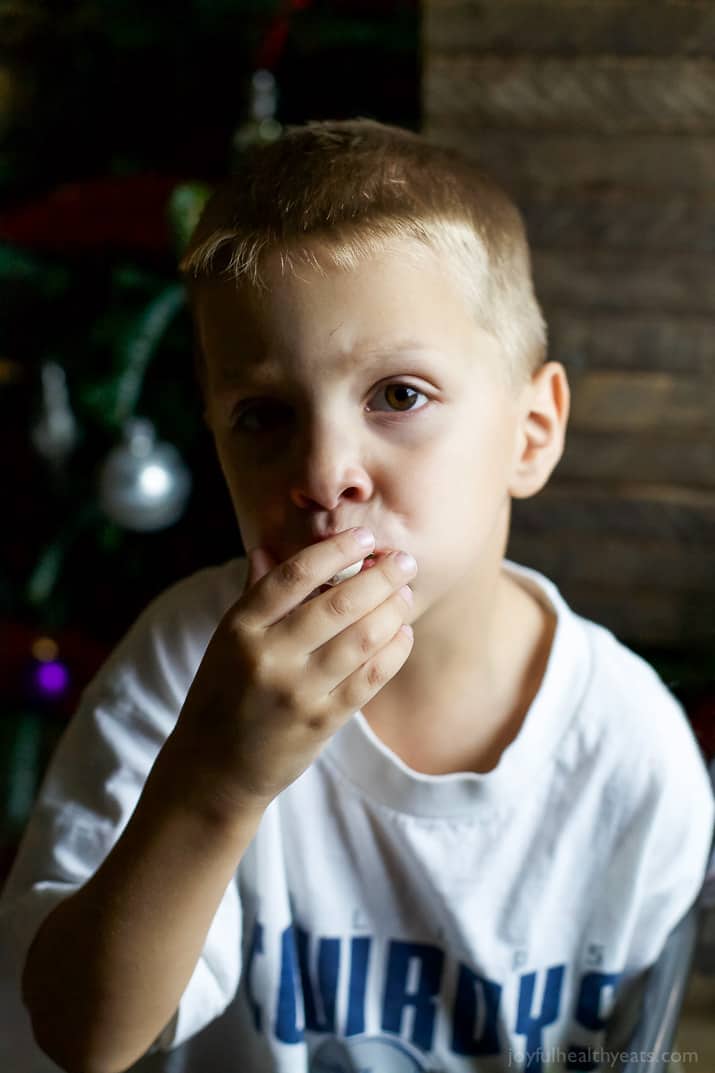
(280, 676)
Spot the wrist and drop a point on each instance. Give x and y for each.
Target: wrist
(184, 779)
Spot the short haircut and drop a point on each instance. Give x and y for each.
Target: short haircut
(353, 187)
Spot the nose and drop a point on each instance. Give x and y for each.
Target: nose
(328, 469)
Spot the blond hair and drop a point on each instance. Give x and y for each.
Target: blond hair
(354, 187)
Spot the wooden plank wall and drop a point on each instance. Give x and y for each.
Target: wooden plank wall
(599, 117)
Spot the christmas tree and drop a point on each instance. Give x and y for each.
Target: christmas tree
(112, 131)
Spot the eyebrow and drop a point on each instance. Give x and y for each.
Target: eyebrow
(263, 372)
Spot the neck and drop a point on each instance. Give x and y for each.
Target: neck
(476, 665)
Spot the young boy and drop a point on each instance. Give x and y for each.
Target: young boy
(284, 829)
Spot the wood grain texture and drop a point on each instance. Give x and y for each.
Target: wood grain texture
(617, 562)
(646, 456)
(613, 401)
(598, 117)
(606, 279)
(572, 27)
(552, 162)
(622, 219)
(628, 510)
(626, 339)
(600, 94)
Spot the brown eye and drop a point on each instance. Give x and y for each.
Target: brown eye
(402, 397)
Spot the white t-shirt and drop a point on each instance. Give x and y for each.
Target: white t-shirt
(382, 919)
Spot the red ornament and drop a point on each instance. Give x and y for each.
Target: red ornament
(121, 212)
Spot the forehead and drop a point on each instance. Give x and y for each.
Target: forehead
(399, 300)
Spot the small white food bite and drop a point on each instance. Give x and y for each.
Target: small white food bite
(349, 571)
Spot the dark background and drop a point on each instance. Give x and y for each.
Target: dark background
(104, 110)
(115, 112)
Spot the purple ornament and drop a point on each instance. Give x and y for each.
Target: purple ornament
(51, 679)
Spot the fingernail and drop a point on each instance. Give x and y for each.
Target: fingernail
(364, 538)
(405, 562)
(407, 594)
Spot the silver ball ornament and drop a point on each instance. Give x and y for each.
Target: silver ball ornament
(143, 485)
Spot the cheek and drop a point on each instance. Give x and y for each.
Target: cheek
(456, 495)
(259, 505)
(241, 482)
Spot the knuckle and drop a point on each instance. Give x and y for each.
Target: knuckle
(273, 681)
(376, 675)
(367, 639)
(293, 573)
(284, 698)
(260, 661)
(317, 723)
(236, 626)
(340, 604)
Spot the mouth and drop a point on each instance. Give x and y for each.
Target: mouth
(372, 559)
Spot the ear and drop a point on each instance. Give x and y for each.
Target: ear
(541, 430)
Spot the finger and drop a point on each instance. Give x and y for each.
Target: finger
(284, 588)
(337, 609)
(333, 662)
(363, 684)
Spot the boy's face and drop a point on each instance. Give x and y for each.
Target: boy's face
(363, 398)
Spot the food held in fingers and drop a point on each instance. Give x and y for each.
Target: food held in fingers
(351, 571)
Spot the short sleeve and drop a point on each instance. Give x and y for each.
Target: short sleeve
(89, 792)
(665, 847)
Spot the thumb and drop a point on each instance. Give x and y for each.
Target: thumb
(259, 563)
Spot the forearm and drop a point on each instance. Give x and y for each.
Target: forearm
(107, 968)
